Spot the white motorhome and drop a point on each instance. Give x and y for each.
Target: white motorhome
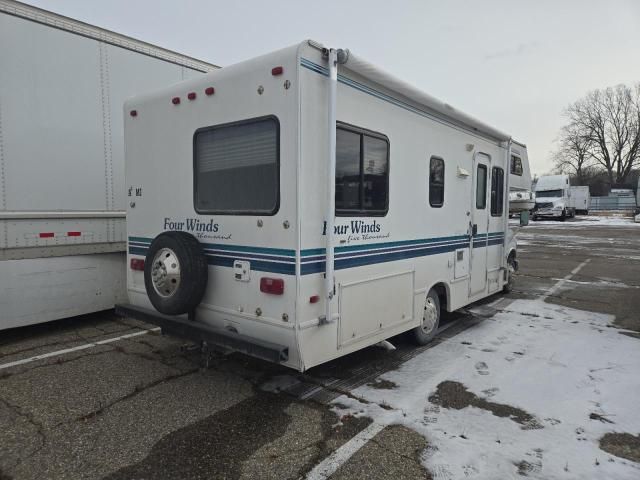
(62, 190)
(521, 198)
(553, 195)
(580, 199)
(304, 204)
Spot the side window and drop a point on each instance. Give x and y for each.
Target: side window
(481, 187)
(236, 168)
(436, 182)
(497, 191)
(516, 165)
(362, 172)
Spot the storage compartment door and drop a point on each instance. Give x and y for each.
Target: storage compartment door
(370, 306)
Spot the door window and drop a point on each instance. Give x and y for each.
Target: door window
(481, 187)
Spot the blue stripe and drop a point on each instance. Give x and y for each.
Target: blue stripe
(359, 261)
(272, 267)
(287, 268)
(209, 251)
(231, 248)
(283, 260)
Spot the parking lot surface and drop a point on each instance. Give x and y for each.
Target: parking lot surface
(104, 397)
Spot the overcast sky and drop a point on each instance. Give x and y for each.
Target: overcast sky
(512, 63)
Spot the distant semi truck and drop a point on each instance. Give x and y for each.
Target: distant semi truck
(553, 194)
(62, 190)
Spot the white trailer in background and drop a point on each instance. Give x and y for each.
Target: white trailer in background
(553, 195)
(62, 190)
(580, 199)
(304, 204)
(521, 198)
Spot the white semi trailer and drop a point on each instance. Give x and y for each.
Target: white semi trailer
(62, 190)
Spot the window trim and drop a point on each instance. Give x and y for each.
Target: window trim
(497, 214)
(276, 207)
(431, 159)
(360, 212)
(484, 204)
(511, 168)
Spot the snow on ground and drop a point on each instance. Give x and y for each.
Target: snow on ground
(582, 221)
(513, 396)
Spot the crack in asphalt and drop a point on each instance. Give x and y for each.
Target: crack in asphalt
(38, 426)
(136, 391)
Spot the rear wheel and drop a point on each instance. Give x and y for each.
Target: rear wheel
(430, 319)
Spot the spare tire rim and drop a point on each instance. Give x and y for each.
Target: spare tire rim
(430, 316)
(165, 272)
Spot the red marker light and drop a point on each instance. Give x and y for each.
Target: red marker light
(277, 71)
(274, 286)
(137, 264)
(314, 299)
(191, 95)
(209, 90)
(74, 234)
(175, 100)
(133, 113)
(47, 235)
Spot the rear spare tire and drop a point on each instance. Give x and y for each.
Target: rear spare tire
(175, 273)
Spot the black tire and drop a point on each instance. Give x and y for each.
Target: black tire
(191, 278)
(508, 287)
(534, 218)
(563, 217)
(420, 336)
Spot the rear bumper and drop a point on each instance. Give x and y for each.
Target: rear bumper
(199, 332)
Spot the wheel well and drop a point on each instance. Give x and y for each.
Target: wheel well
(441, 290)
(512, 254)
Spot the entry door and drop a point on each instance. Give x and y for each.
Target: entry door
(479, 224)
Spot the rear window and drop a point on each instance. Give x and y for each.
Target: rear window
(236, 168)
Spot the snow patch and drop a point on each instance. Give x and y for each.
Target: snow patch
(557, 364)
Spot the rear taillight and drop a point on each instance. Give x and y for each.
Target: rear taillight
(209, 90)
(137, 264)
(274, 286)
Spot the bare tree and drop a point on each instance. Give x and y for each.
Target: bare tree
(608, 121)
(573, 155)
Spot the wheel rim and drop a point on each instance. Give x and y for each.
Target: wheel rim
(430, 317)
(165, 272)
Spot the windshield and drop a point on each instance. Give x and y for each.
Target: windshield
(549, 193)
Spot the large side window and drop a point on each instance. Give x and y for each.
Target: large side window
(481, 187)
(236, 168)
(436, 182)
(362, 172)
(516, 165)
(497, 191)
